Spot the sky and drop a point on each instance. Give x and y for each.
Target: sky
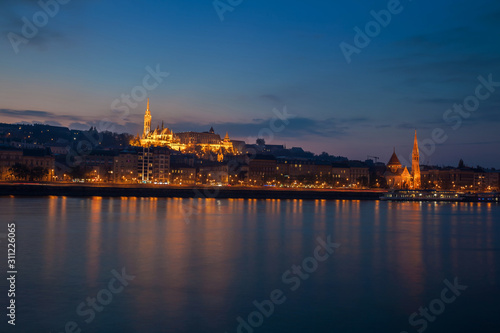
(351, 85)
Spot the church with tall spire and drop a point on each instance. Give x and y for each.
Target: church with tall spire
(184, 141)
(147, 121)
(415, 164)
(398, 176)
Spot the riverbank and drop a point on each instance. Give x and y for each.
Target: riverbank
(81, 190)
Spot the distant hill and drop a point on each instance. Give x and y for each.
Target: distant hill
(47, 135)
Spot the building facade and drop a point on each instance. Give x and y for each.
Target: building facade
(262, 169)
(415, 165)
(153, 165)
(398, 176)
(185, 141)
(125, 168)
(39, 163)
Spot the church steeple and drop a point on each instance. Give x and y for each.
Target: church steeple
(415, 165)
(147, 121)
(415, 144)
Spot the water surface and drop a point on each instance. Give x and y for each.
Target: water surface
(199, 264)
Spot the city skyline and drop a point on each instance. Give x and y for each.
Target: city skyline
(250, 166)
(231, 74)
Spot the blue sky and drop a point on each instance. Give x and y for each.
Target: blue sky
(231, 74)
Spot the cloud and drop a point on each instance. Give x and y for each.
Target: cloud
(291, 129)
(128, 127)
(486, 115)
(493, 17)
(23, 114)
(295, 128)
(452, 68)
(272, 98)
(457, 36)
(437, 100)
(13, 11)
(451, 56)
(52, 123)
(477, 143)
(409, 126)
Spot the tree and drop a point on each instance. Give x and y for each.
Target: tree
(78, 173)
(37, 173)
(324, 156)
(363, 181)
(260, 142)
(378, 181)
(108, 169)
(461, 164)
(19, 171)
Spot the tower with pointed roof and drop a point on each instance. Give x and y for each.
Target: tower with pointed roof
(394, 165)
(396, 175)
(162, 136)
(147, 122)
(415, 164)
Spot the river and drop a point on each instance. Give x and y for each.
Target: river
(242, 265)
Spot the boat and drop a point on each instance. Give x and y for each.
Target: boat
(434, 195)
(421, 195)
(482, 197)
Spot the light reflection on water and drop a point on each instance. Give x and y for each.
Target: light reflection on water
(199, 274)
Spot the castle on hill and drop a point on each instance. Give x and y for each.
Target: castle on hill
(184, 141)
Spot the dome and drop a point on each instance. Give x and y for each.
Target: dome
(394, 161)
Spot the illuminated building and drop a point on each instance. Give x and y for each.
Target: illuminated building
(415, 164)
(398, 176)
(153, 165)
(32, 159)
(185, 141)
